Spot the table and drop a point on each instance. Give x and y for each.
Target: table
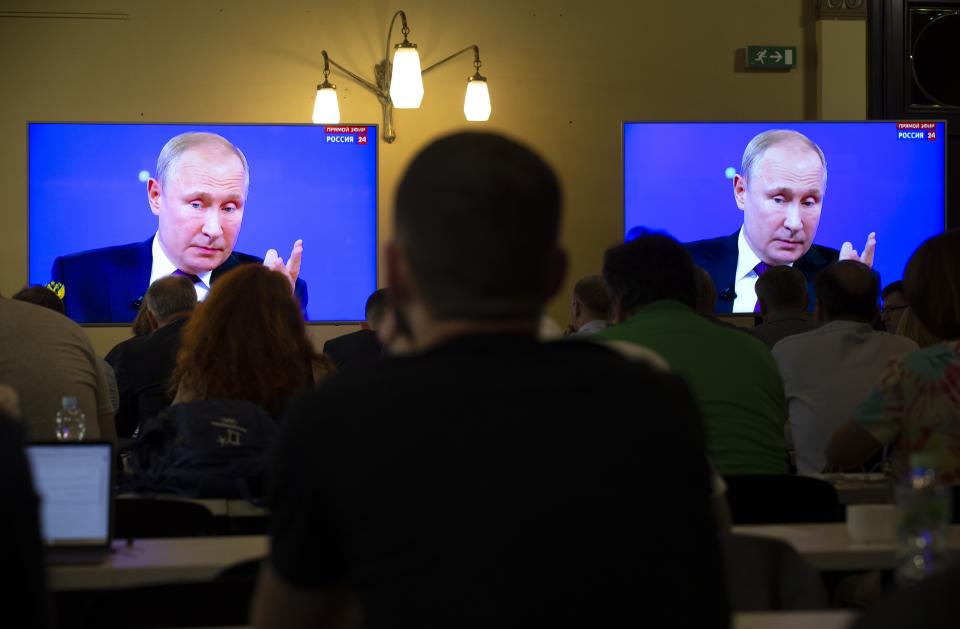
(830, 619)
(219, 507)
(155, 561)
(829, 547)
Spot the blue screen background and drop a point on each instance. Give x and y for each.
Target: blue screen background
(675, 180)
(85, 193)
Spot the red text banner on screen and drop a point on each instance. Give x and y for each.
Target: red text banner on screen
(345, 135)
(917, 131)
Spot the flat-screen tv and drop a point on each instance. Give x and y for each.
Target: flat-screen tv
(886, 177)
(94, 224)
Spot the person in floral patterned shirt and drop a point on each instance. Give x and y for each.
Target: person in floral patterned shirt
(915, 406)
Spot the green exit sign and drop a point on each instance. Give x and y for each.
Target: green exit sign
(771, 57)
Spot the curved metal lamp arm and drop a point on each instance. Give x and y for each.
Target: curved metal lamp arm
(359, 79)
(403, 29)
(476, 58)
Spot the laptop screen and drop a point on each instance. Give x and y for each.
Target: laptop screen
(73, 482)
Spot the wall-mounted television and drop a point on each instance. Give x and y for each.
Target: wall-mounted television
(88, 187)
(886, 177)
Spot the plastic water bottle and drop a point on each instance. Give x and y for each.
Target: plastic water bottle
(923, 521)
(71, 422)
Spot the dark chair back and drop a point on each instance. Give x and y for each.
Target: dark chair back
(761, 499)
(161, 517)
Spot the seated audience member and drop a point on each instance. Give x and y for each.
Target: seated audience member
(827, 371)
(21, 551)
(141, 322)
(736, 383)
(141, 326)
(490, 479)
(590, 307)
(782, 295)
(548, 329)
(706, 293)
(43, 296)
(394, 332)
(707, 300)
(914, 405)
(912, 328)
(247, 341)
(144, 363)
(362, 347)
(893, 305)
(45, 356)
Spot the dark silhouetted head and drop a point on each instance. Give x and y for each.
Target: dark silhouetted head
(848, 290)
(647, 269)
(781, 288)
(376, 307)
(931, 284)
(477, 218)
(170, 296)
(41, 296)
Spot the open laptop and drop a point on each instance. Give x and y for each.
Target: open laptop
(75, 483)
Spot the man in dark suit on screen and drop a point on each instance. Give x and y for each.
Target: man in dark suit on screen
(780, 189)
(198, 196)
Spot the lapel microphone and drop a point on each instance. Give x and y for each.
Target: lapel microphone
(729, 294)
(137, 302)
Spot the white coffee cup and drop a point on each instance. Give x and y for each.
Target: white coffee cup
(871, 523)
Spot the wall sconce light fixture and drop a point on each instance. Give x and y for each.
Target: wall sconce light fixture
(399, 84)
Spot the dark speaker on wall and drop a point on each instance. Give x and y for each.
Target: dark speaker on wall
(913, 59)
(932, 57)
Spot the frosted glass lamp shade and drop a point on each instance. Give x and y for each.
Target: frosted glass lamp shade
(326, 110)
(406, 83)
(476, 104)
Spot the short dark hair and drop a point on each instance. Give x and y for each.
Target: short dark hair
(477, 217)
(376, 306)
(892, 287)
(931, 284)
(41, 296)
(169, 295)
(782, 287)
(592, 292)
(650, 268)
(848, 290)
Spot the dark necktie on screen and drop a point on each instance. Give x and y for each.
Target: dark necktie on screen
(196, 278)
(193, 278)
(760, 269)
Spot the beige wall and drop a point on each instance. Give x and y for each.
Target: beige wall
(563, 75)
(841, 72)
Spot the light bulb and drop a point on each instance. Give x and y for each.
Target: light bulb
(476, 104)
(326, 110)
(406, 82)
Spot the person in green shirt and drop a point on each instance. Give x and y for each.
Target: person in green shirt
(732, 375)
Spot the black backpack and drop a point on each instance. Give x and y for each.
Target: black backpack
(203, 449)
